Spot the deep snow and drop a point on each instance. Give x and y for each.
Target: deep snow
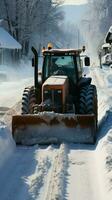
(64, 172)
(7, 145)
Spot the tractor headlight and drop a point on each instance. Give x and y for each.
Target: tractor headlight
(46, 91)
(47, 94)
(59, 91)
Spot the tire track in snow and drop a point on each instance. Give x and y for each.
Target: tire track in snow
(57, 184)
(48, 181)
(36, 181)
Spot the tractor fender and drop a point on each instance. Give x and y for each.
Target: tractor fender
(84, 81)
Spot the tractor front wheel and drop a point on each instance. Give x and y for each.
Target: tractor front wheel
(28, 100)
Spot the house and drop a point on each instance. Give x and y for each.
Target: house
(9, 47)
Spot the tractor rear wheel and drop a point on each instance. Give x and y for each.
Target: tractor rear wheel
(88, 102)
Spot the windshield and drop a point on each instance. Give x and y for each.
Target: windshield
(62, 65)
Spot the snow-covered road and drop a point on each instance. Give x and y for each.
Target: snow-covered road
(34, 173)
(84, 171)
(64, 172)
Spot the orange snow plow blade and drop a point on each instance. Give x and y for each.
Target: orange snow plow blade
(48, 128)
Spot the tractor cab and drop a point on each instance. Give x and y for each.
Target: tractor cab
(62, 62)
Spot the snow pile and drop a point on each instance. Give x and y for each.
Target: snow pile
(104, 155)
(7, 144)
(102, 78)
(7, 117)
(108, 160)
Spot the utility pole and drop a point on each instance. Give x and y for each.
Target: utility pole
(78, 38)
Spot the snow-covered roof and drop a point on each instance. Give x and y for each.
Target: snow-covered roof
(7, 41)
(62, 51)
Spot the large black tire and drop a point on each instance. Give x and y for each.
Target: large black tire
(88, 102)
(28, 100)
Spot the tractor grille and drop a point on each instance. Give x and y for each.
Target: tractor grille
(54, 95)
(57, 94)
(55, 99)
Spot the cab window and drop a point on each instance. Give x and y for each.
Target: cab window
(79, 66)
(64, 63)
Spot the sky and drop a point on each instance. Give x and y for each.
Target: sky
(75, 2)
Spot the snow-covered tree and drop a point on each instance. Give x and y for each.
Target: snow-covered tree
(26, 18)
(101, 15)
(97, 21)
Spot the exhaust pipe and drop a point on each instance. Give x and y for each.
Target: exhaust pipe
(35, 65)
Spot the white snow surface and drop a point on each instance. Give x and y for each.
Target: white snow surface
(7, 145)
(7, 41)
(60, 172)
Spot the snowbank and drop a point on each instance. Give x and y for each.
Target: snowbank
(102, 78)
(104, 155)
(7, 144)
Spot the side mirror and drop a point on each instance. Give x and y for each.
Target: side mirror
(83, 48)
(33, 62)
(87, 61)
